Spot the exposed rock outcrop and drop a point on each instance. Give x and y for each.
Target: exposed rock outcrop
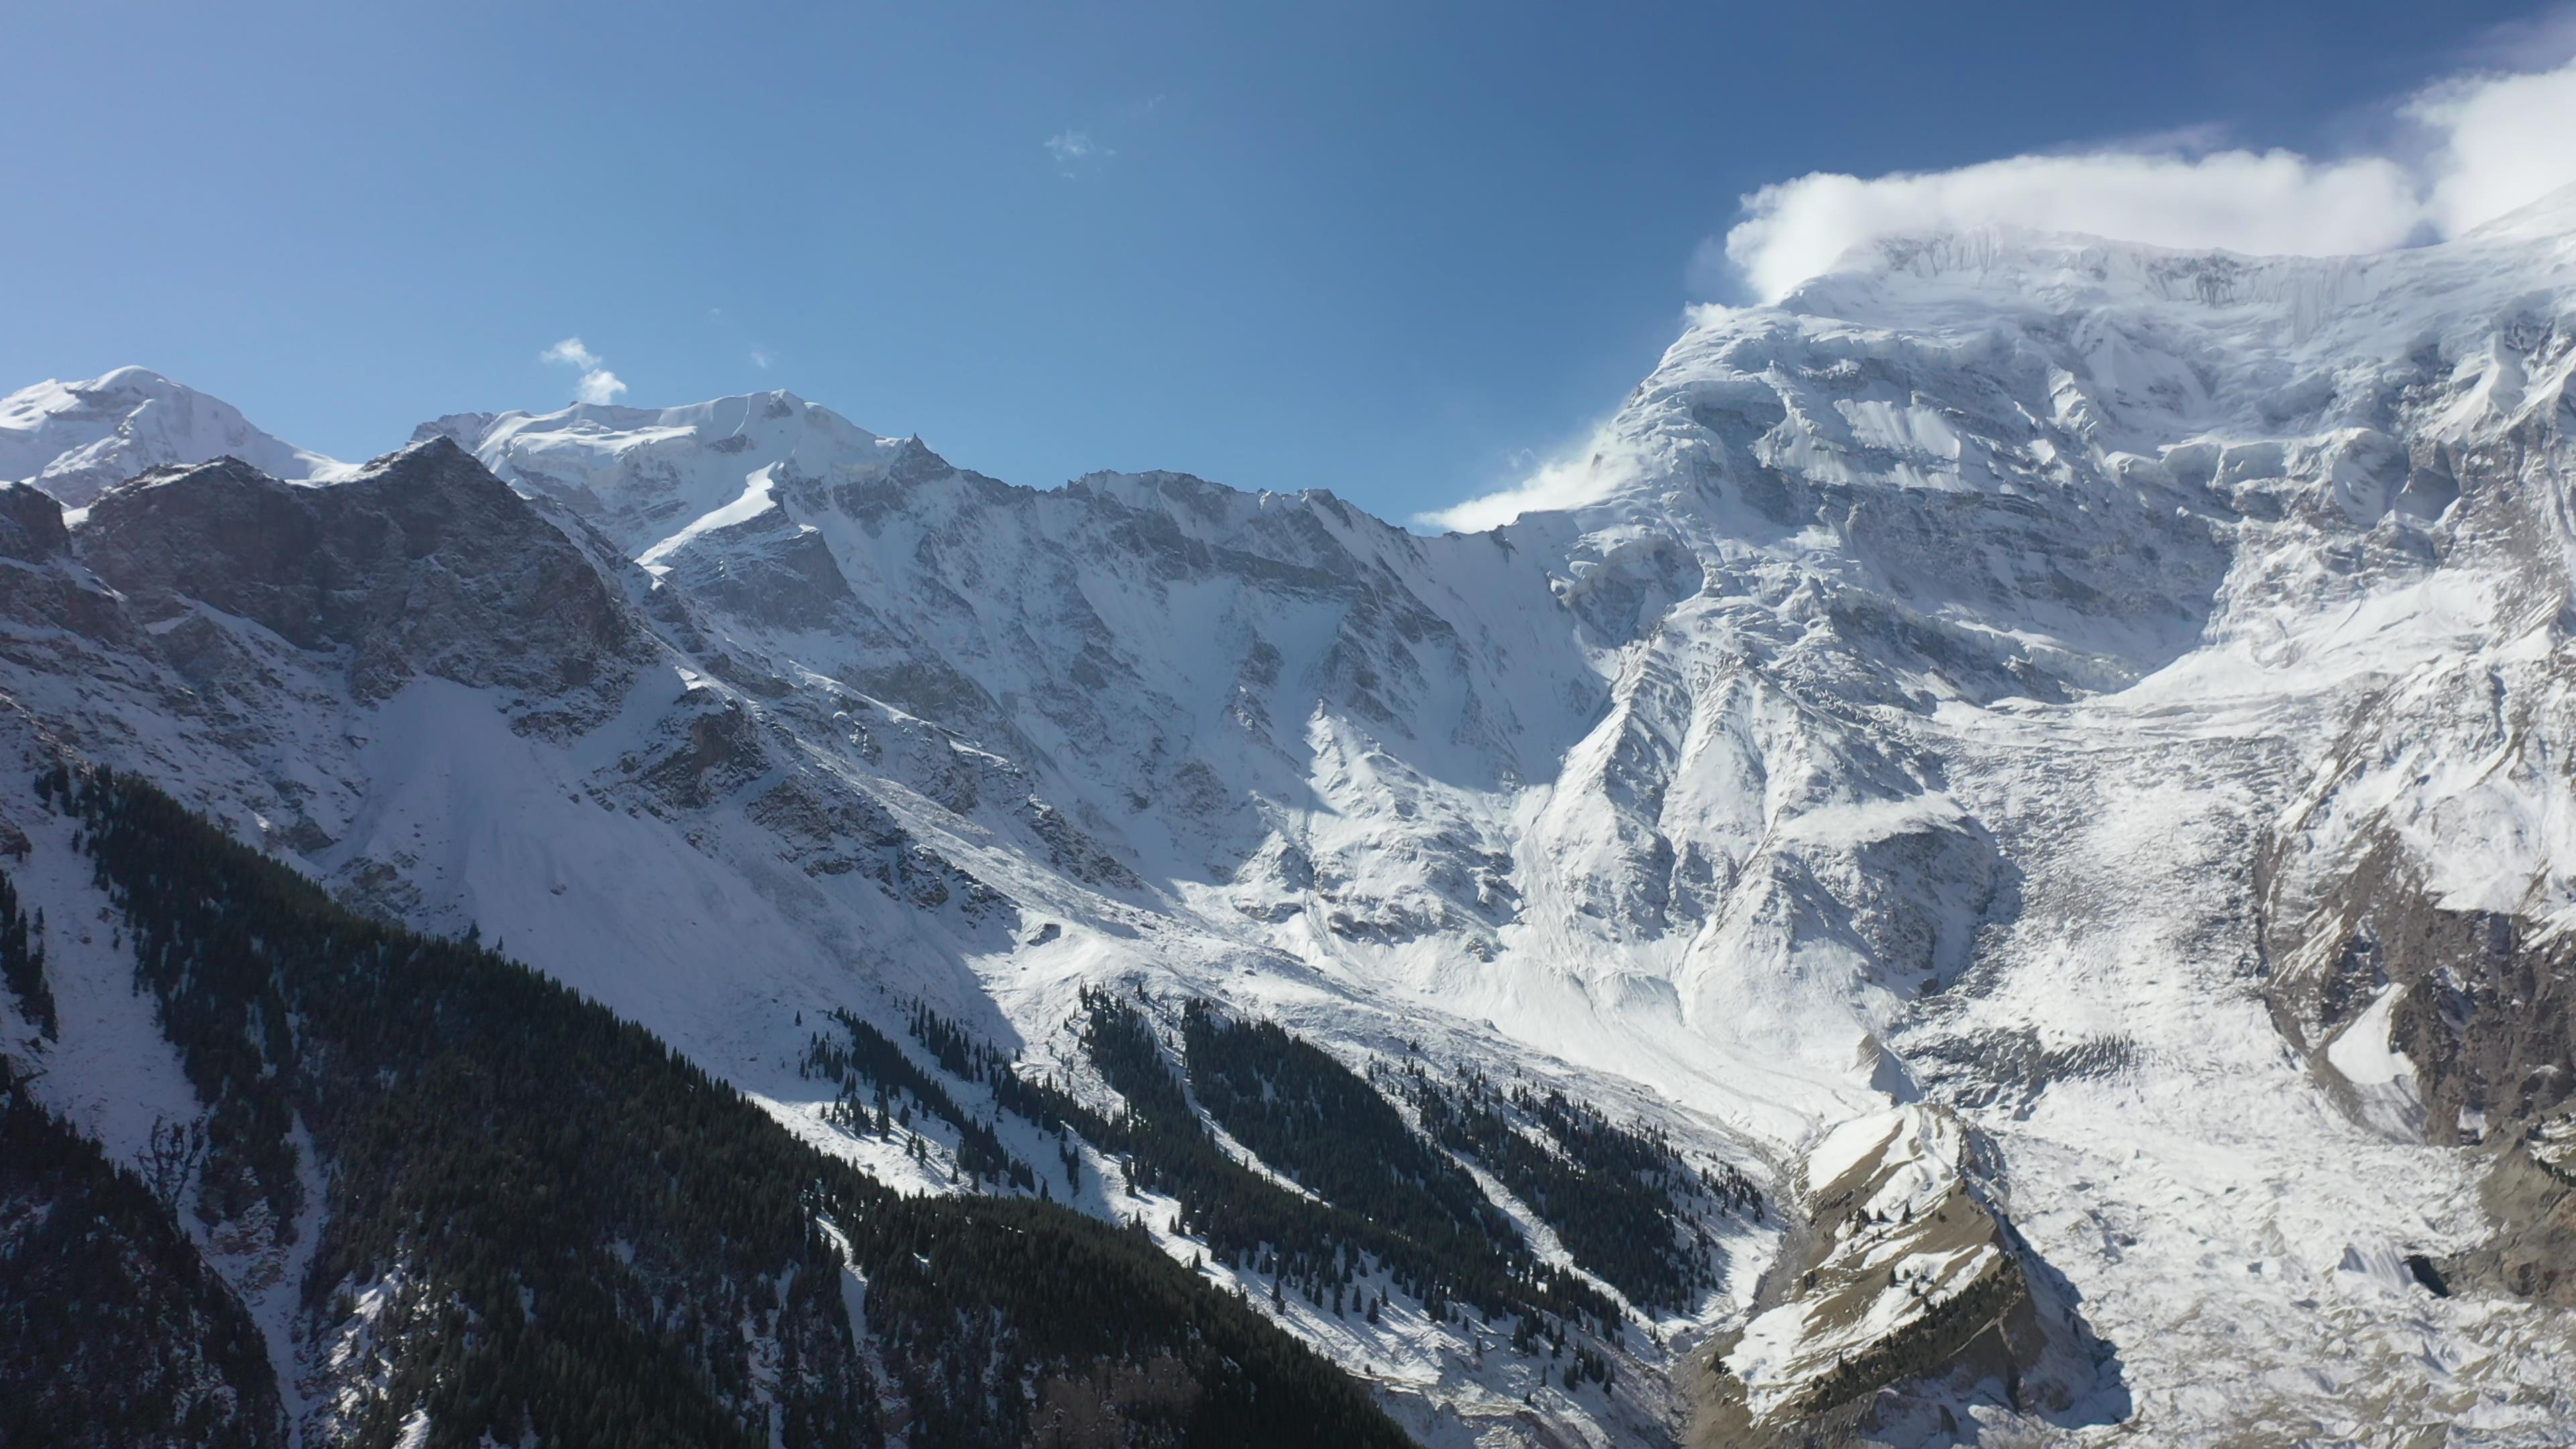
(1906, 1294)
(420, 563)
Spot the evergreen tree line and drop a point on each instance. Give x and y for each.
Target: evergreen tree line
(1324, 1127)
(1031, 1099)
(1422, 1220)
(22, 962)
(1589, 1365)
(1321, 1248)
(114, 1334)
(1329, 1130)
(867, 1057)
(1592, 1142)
(590, 1232)
(1609, 1192)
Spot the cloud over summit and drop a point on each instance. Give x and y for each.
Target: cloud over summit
(2488, 143)
(597, 384)
(2470, 149)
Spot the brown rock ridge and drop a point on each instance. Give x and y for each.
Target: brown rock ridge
(1906, 1298)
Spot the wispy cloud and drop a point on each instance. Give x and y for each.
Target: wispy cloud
(1594, 461)
(1075, 151)
(2503, 142)
(2269, 202)
(597, 384)
(761, 357)
(2478, 149)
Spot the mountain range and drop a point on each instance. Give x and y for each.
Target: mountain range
(2000, 871)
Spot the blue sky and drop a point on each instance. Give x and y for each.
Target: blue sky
(1400, 251)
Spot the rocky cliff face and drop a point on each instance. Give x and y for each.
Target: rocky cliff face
(421, 563)
(2097, 709)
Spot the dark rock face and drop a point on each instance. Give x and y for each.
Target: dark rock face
(423, 563)
(2530, 1192)
(2486, 1010)
(769, 570)
(2487, 1019)
(31, 524)
(2386, 881)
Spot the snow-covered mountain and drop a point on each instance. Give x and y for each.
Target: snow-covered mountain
(75, 439)
(2045, 755)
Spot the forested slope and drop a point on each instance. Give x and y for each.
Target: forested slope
(538, 1220)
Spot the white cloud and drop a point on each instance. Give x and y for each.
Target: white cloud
(1571, 479)
(1557, 485)
(597, 384)
(2272, 202)
(2507, 140)
(1073, 150)
(600, 386)
(2493, 142)
(761, 357)
(572, 353)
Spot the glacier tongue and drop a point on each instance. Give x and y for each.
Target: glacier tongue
(2031, 729)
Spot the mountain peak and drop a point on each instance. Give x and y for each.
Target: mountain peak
(77, 439)
(131, 378)
(644, 474)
